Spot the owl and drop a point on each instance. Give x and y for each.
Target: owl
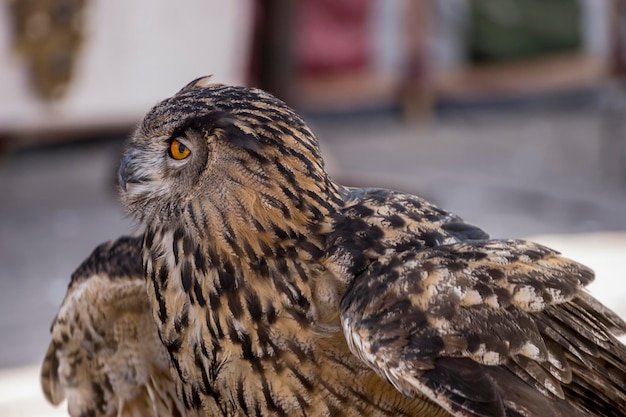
(277, 291)
(105, 356)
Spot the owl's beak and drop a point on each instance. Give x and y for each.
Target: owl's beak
(123, 173)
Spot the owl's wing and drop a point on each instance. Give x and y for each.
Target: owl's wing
(105, 356)
(491, 328)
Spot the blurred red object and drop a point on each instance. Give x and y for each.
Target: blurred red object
(332, 36)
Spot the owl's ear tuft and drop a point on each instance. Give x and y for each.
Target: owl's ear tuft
(202, 82)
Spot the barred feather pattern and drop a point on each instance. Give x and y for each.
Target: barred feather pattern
(105, 356)
(277, 291)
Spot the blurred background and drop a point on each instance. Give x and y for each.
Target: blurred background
(510, 113)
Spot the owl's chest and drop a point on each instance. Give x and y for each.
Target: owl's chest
(250, 306)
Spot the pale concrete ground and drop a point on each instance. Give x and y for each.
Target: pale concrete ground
(534, 174)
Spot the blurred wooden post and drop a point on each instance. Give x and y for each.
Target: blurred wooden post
(276, 66)
(613, 151)
(618, 38)
(416, 89)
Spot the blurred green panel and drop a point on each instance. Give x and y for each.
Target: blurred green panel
(503, 30)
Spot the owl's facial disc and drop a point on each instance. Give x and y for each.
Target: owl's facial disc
(159, 170)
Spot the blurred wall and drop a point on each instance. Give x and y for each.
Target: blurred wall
(134, 53)
(449, 38)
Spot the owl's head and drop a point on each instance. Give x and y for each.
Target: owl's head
(228, 151)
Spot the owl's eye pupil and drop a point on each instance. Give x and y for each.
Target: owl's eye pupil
(179, 150)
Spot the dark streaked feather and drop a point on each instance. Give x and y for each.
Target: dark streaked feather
(531, 318)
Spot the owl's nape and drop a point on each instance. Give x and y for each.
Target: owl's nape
(277, 291)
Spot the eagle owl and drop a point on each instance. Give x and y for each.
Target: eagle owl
(105, 356)
(277, 291)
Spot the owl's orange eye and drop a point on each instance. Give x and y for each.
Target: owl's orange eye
(178, 150)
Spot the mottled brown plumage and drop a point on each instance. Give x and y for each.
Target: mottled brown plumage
(105, 356)
(277, 291)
